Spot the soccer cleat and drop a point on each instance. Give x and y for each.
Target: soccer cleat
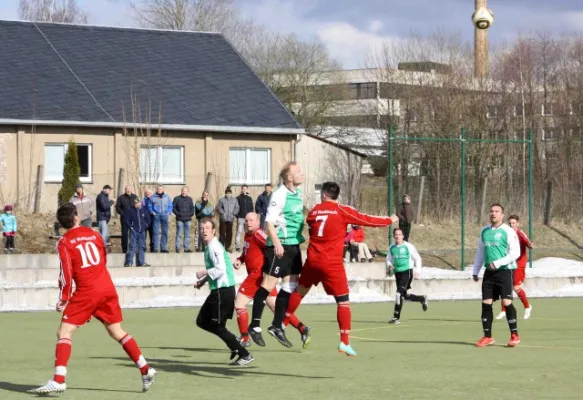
(50, 387)
(255, 334)
(306, 337)
(279, 334)
(485, 341)
(394, 321)
(346, 349)
(148, 379)
(424, 303)
(243, 360)
(527, 312)
(514, 340)
(502, 315)
(244, 342)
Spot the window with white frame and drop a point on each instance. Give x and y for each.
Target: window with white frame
(547, 109)
(54, 161)
(250, 166)
(549, 133)
(162, 164)
(493, 111)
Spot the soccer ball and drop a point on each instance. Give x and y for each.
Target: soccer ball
(483, 18)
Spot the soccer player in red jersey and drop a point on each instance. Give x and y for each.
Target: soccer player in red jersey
(253, 257)
(84, 261)
(328, 221)
(519, 274)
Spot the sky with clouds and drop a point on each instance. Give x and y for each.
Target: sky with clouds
(350, 27)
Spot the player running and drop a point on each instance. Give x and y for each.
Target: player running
(83, 260)
(400, 256)
(252, 256)
(283, 260)
(220, 303)
(328, 222)
(519, 274)
(498, 250)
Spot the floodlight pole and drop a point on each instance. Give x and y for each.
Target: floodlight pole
(463, 194)
(390, 179)
(530, 195)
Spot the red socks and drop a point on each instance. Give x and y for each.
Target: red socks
(344, 316)
(133, 351)
(522, 296)
(294, 302)
(62, 355)
(243, 322)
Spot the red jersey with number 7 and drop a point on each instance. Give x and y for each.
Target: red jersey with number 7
(84, 261)
(328, 222)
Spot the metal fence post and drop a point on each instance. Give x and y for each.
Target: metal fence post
(390, 178)
(530, 194)
(463, 195)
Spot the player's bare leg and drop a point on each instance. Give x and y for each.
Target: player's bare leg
(62, 355)
(267, 285)
(241, 303)
(134, 353)
(288, 286)
(522, 296)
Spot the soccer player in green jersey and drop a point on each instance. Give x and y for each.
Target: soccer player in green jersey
(283, 260)
(219, 306)
(402, 257)
(498, 250)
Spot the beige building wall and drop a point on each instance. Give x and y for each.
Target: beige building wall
(22, 150)
(323, 162)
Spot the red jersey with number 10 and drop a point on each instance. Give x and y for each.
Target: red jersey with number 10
(328, 222)
(84, 261)
(253, 250)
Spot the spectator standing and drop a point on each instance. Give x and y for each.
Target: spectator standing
(262, 203)
(9, 227)
(228, 209)
(147, 206)
(84, 206)
(359, 240)
(103, 207)
(125, 202)
(245, 206)
(202, 209)
(183, 208)
(161, 209)
(137, 219)
(406, 217)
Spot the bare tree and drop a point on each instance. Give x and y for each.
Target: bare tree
(67, 11)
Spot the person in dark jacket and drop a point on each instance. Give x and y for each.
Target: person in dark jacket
(183, 208)
(245, 207)
(161, 209)
(202, 209)
(406, 217)
(103, 206)
(137, 219)
(262, 203)
(146, 204)
(228, 209)
(125, 202)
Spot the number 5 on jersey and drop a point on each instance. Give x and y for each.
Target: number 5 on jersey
(322, 218)
(89, 254)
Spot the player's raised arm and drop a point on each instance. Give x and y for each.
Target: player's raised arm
(220, 268)
(353, 217)
(66, 273)
(513, 248)
(479, 258)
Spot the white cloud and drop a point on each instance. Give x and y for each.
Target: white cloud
(574, 19)
(375, 25)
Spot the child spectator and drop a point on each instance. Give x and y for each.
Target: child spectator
(359, 240)
(8, 222)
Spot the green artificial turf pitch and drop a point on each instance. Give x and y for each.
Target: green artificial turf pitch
(429, 356)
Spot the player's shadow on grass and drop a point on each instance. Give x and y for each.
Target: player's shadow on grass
(221, 370)
(204, 350)
(20, 388)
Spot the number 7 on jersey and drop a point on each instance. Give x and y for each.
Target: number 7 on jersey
(322, 218)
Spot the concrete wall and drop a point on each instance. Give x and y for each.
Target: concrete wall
(22, 150)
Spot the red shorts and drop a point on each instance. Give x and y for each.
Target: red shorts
(333, 278)
(251, 284)
(518, 276)
(82, 306)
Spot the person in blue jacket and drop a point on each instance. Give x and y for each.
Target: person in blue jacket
(137, 220)
(160, 209)
(9, 226)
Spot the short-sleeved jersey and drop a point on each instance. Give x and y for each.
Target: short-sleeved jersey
(328, 222)
(286, 213)
(524, 246)
(253, 251)
(84, 261)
